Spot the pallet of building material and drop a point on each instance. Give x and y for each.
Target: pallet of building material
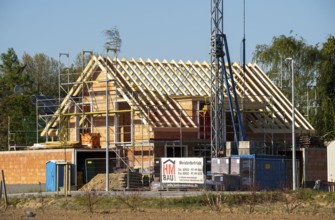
(306, 141)
(90, 140)
(135, 180)
(55, 145)
(146, 180)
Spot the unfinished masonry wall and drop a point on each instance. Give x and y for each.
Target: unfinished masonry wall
(315, 164)
(136, 154)
(28, 167)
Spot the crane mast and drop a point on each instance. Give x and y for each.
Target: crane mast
(218, 133)
(220, 79)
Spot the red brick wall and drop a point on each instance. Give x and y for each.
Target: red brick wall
(174, 134)
(28, 167)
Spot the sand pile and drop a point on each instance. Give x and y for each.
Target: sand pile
(117, 181)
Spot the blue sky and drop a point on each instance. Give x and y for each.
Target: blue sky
(170, 29)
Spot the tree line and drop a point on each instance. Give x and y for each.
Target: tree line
(314, 68)
(21, 80)
(314, 74)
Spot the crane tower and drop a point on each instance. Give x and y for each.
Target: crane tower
(221, 79)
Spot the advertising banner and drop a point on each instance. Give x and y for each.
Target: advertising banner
(182, 170)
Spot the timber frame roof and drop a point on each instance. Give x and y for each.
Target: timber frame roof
(154, 86)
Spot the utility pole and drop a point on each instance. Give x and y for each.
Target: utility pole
(113, 43)
(293, 129)
(107, 124)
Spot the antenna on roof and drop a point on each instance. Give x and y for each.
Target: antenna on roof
(243, 54)
(243, 60)
(244, 36)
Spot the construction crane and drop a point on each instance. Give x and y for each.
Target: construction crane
(220, 80)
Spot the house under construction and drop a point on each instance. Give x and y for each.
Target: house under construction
(151, 109)
(139, 111)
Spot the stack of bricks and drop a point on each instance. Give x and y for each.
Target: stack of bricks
(90, 140)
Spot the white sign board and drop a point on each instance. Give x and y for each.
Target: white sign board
(182, 170)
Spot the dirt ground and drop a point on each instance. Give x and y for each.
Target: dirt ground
(149, 214)
(92, 206)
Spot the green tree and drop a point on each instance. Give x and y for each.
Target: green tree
(43, 73)
(14, 102)
(12, 73)
(18, 113)
(19, 82)
(272, 58)
(325, 116)
(81, 60)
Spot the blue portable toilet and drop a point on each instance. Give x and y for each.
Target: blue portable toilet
(51, 175)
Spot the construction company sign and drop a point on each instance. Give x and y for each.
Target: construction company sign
(182, 172)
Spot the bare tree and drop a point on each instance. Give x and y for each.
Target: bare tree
(113, 40)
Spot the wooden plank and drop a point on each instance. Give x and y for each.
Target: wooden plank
(0, 190)
(4, 188)
(182, 68)
(281, 96)
(127, 91)
(171, 114)
(65, 104)
(156, 98)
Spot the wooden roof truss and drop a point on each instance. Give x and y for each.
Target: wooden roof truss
(152, 87)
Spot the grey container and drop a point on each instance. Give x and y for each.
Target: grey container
(220, 165)
(229, 182)
(241, 165)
